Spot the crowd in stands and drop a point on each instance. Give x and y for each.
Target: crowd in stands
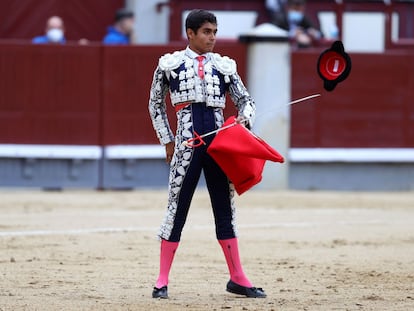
(117, 34)
(289, 15)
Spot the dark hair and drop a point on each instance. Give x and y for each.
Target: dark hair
(123, 13)
(196, 18)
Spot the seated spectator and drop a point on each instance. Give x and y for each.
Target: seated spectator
(300, 28)
(55, 32)
(275, 10)
(120, 32)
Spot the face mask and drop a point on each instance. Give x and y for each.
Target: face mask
(55, 35)
(295, 16)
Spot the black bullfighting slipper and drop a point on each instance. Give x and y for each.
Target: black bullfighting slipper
(251, 292)
(160, 292)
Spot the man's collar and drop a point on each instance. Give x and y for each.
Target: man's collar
(191, 54)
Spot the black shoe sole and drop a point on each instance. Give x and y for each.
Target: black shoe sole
(250, 292)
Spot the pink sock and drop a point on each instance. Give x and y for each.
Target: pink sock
(231, 252)
(166, 258)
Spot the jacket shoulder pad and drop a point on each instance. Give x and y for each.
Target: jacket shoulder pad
(170, 61)
(224, 64)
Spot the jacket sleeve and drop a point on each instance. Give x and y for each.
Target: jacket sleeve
(242, 99)
(157, 107)
(306, 24)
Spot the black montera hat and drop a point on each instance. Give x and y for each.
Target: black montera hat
(334, 65)
(123, 13)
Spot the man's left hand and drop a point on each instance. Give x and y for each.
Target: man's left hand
(169, 151)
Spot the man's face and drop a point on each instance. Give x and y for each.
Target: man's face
(127, 25)
(55, 22)
(204, 40)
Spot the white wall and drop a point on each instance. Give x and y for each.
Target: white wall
(230, 24)
(268, 81)
(364, 32)
(328, 24)
(151, 27)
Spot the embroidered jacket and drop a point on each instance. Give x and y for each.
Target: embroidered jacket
(175, 73)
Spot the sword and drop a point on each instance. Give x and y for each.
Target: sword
(197, 140)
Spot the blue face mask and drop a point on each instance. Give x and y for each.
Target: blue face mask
(295, 16)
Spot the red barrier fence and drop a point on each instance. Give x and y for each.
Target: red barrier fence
(81, 95)
(372, 108)
(127, 77)
(49, 94)
(96, 95)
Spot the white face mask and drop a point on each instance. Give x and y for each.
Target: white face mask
(55, 35)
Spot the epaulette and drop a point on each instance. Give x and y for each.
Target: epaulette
(170, 61)
(224, 64)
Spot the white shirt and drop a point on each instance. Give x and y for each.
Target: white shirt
(190, 53)
(199, 83)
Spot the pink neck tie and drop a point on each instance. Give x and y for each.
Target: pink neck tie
(200, 66)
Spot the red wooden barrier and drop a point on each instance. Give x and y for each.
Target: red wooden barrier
(49, 94)
(372, 108)
(127, 78)
(127, 75)
(96, 95)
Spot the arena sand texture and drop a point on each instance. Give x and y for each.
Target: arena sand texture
(87, 250)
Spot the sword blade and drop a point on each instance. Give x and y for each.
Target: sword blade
(235, 123)
(303, 99)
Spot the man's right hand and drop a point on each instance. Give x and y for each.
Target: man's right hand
(169, 151)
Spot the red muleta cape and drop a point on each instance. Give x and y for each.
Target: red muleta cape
(241, 155)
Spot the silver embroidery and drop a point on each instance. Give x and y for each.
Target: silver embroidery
(191, 91)
(169, 62)
(179, 167)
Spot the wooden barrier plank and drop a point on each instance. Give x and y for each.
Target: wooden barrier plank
(372, 108)
(96, 95)
(49, 94)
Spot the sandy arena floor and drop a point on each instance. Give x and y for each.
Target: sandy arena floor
(85, 250)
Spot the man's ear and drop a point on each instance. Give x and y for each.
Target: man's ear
(190, 33)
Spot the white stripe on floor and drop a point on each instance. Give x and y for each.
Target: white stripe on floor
(196, 227)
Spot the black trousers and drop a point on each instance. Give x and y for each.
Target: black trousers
(221, 191)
